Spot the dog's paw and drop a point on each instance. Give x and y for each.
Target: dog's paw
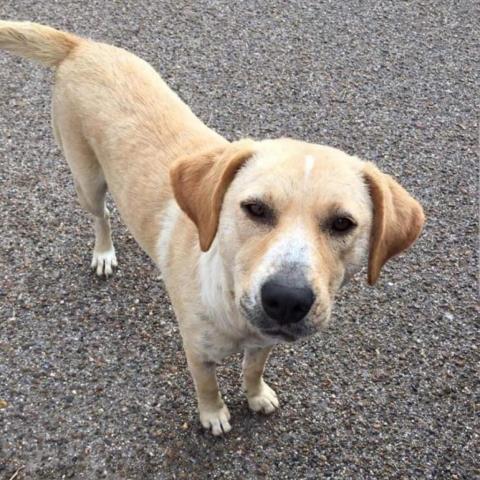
(265, 400)
(104, 262)
(216, 420)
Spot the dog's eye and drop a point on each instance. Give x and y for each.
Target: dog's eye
(258, 211)
(255, 209)
(342, 224)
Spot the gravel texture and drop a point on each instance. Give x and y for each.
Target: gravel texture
(93, 380)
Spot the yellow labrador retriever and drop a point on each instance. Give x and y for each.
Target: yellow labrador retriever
(254, 238)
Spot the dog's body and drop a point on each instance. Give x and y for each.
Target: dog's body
(253, 238)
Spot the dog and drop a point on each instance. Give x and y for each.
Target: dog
(253, 238)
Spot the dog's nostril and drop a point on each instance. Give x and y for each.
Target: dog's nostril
(274, 304)
(286, 304)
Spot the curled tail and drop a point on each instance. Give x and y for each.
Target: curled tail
(37, 42)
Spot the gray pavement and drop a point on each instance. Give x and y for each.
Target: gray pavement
(93, 380)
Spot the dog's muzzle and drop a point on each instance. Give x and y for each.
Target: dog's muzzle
(282, 306)
(286, 304)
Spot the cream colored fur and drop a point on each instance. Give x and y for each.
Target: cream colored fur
(181, 189)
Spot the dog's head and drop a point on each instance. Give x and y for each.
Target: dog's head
(293, 221)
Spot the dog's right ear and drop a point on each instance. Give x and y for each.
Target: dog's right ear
(199, 183)
(397, 220)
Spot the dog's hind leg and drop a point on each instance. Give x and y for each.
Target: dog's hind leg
(92, 198)
(91, 189)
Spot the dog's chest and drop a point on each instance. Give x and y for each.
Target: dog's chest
(216, 345)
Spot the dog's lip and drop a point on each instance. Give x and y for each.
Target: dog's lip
(276, 332)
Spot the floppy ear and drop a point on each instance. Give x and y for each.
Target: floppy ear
(199, 183)
(397, 219)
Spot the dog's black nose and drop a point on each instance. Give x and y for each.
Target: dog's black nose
(286, 304)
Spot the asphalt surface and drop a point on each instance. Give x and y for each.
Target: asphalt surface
(93, 380)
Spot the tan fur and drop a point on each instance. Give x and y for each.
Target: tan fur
(398, 220)
(200, 181)
(37, 42)
(121, 128)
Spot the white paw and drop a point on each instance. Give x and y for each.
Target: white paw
(265, 400)
(104, 262)
(216, 420)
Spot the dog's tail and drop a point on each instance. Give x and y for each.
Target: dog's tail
(37, 42)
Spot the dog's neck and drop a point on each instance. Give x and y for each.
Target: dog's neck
(216, 287)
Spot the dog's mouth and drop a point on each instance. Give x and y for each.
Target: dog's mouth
(269, 328)
(287, 336)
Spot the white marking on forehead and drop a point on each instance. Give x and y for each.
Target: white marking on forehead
(309, 162)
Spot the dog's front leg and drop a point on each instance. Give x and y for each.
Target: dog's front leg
(214, 413)
(259, 395)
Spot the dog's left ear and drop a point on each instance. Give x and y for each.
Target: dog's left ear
(397, 219)
(199, 183)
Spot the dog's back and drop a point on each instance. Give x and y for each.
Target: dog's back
(118, 124)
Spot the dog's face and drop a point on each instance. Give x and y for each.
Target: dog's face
(293, 222)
